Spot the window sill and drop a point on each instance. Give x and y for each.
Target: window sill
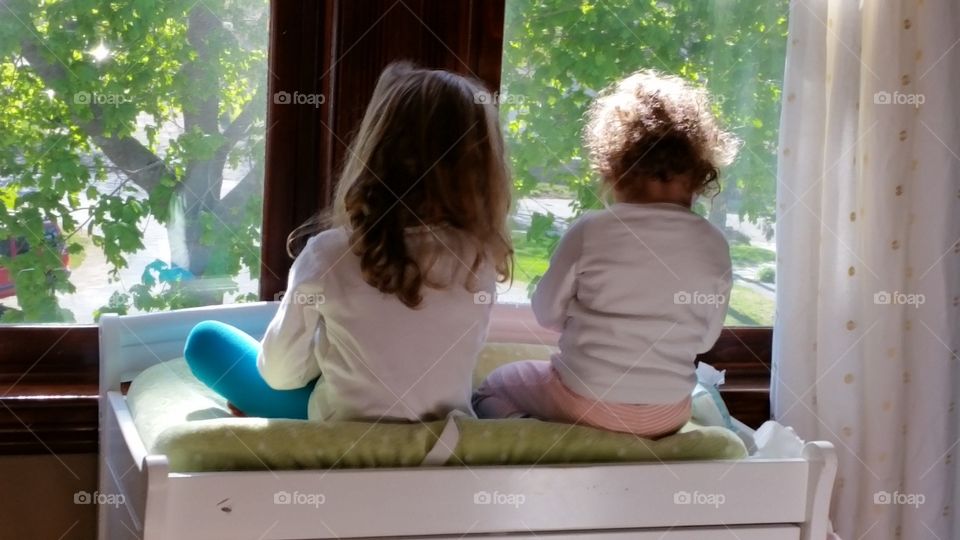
(49, 419)
(49, 400)
(41, 422)
(48, 389)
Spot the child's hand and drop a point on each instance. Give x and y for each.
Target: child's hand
(235, 410)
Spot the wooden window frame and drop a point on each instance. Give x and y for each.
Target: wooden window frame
(49, 373)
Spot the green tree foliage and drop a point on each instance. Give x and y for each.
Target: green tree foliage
(560, 53)
(82, 138)
(87, 88)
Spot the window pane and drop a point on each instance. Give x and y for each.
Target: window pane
(132, 159)
(558, 54)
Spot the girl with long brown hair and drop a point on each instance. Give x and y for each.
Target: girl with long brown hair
(389, 297)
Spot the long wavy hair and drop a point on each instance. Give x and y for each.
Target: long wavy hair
(428, 157)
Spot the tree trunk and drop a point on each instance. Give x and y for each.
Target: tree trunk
(718, 211)
(199, 192)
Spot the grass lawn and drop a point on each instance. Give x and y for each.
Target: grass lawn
(747, 255)
(749, 308)
(552, 191)
(531, 259)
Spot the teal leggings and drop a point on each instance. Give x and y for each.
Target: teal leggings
(225, 359)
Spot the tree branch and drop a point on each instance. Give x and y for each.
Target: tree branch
(144, 167)
(249, 186)
(238, 128)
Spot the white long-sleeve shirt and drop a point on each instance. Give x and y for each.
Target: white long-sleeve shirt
(637, 291)
(379, 359)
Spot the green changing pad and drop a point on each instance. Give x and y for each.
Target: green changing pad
(177, 415)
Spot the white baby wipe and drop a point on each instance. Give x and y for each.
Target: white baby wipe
(774, 440)
(708, 407)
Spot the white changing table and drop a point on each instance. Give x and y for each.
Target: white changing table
(770, 499)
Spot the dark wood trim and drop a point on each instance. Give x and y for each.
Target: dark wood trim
(464, 36)
(297, 177)
(745, 353)
(34, 358)
(48, 389)
(59, 425)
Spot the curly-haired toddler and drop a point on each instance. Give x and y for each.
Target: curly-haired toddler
(639, 289)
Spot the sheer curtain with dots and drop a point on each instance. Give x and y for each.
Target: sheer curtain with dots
(868, 231)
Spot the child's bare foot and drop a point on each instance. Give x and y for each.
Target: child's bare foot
(235, 410)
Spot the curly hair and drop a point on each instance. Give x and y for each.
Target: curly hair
(428, 155)
(651, 126)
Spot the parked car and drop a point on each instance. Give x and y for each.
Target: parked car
(12, 247)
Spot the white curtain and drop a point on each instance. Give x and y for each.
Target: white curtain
(868, 230)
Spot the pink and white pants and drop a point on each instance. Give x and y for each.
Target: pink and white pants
(533, 388)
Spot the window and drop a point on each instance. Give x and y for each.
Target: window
(558, 54)
(329, 47)
(136, 156)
